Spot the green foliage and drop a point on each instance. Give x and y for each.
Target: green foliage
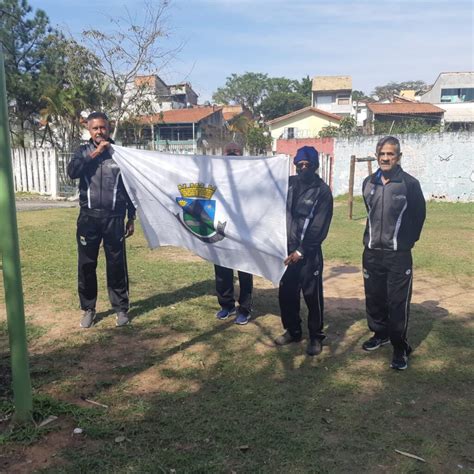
(271, 96)
(23, 37)
(329, 131)
(280, 85)
(247, 90)
(77, 87)
(360, 95)
(277, 104)
(258, 139)
(347, 128)
(405, 126)
(48, 77)
(305, 87)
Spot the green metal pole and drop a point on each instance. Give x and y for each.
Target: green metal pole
(10, 252)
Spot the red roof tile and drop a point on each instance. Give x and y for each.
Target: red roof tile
(193, 115)
(405, 108)
(306, 109)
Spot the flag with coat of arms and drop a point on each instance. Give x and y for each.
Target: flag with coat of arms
(230, 210)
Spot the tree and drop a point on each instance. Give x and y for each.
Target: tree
(258, 139)
(73, 88)
(281, 85)
(281, 103)
(247, 90)
(239, 126)
(387, 91)
(271, 96)
(23, 37)
(133, 48)
(305, 88)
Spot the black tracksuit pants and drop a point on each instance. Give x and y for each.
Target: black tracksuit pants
(225, 289)
(388, 277)
(91, 231)
(307, 276)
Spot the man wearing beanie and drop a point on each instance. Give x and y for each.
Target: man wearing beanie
(396, 213)
(309, 214)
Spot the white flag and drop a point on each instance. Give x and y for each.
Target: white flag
(230, 210)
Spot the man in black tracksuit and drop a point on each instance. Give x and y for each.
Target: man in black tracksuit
(396, 213)
(104, 202)
(309, 214)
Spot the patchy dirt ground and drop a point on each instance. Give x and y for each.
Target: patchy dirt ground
(343, 296)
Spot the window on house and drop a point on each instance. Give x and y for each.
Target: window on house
(290, 133)
(343, 99)
(457, 95)
(323, 99)
(176, 133)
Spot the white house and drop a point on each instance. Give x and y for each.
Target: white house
(333, 94)
(454, 92)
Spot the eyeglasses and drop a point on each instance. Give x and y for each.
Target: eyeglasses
(300, 166)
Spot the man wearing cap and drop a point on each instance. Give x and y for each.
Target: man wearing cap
(225, 278)
(309, 214)
(104, 202)
(396, 212)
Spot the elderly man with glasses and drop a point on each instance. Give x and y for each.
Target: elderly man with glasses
(309, 214)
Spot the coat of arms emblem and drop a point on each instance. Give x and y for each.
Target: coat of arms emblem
(199, 210)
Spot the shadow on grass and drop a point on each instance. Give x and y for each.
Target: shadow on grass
(143, 306)
(249, 409)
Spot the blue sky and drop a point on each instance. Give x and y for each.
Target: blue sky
(374, 41)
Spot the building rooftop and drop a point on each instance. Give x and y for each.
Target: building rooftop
(331, 83)
(305, 109)
(407, 108)
(192, 115)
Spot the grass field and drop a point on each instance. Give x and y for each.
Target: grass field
(187, 393)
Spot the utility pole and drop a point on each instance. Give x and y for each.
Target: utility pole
(10, 254)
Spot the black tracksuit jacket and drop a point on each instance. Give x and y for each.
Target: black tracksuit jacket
(100, 183)
(396, 211)
(309, 214)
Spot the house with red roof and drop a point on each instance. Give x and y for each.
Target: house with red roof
(383, 118)
(303, 123)
(180, 130)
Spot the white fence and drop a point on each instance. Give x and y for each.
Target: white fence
(35, 170)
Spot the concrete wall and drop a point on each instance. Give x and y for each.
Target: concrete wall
(443, 163)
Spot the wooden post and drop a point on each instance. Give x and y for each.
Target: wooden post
(369, 166)
(351, 185)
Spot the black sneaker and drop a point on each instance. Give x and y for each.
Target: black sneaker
(314, 347)
(374, 343)
(122, 319)
(88, 318)
(400, 358)
(287, 338)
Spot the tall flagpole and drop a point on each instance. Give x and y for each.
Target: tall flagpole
(10, 254)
